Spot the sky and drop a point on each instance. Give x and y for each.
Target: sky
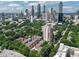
(18, 6)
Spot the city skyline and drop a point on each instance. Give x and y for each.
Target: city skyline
(18, 6)
(39, 29)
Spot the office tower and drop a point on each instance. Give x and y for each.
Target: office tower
(13, 17)
(77, 12)
(72, 17)
(52, 15)
(55, 16)
(21, 15)
(47, 32)
(38, 11)
(27, 13)
(3, 17)
(51, 10)
(78, 17)
(44, 9)
(32, 14)
(60, 15)
(32, 11)
(44, 13)
(48, 16)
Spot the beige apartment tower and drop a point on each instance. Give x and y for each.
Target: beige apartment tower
(47, 32)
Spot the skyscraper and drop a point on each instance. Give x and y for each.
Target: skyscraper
(72, 17)
(32, 14)
(3, 17)
(77, 12)
(51, 10)
(38, 11)
(51, 16)
(48, 16)
(55, 16)
(44, 9)
(21, 15)
(60, 16)
(32, 11)
(44, 13)
(27, 13)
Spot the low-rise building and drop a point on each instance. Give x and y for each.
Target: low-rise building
(33, 43)
(67, 51)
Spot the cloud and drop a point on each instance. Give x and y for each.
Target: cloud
(13, 4)
(1, 8)
(42, 2)
(52, 2)
(25, 1)
(34, 4)
(14, 7)
(69, 9)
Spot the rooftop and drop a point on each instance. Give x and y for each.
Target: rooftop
(10, 53)
(67, 51)
(35, 42)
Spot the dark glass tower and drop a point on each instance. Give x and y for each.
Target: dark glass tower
(51, 10)
(38, 11)
(44, 10)
(60, 16)
(32, 11)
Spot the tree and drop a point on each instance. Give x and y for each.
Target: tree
(5, 45)
(21, 48)
(53, 52)
(45, 51)
(25, 51)
(33, 53)
(45, 43)
(9, 33)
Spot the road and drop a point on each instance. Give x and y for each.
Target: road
(62, 35)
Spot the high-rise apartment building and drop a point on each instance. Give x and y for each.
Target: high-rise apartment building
(47, 32)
